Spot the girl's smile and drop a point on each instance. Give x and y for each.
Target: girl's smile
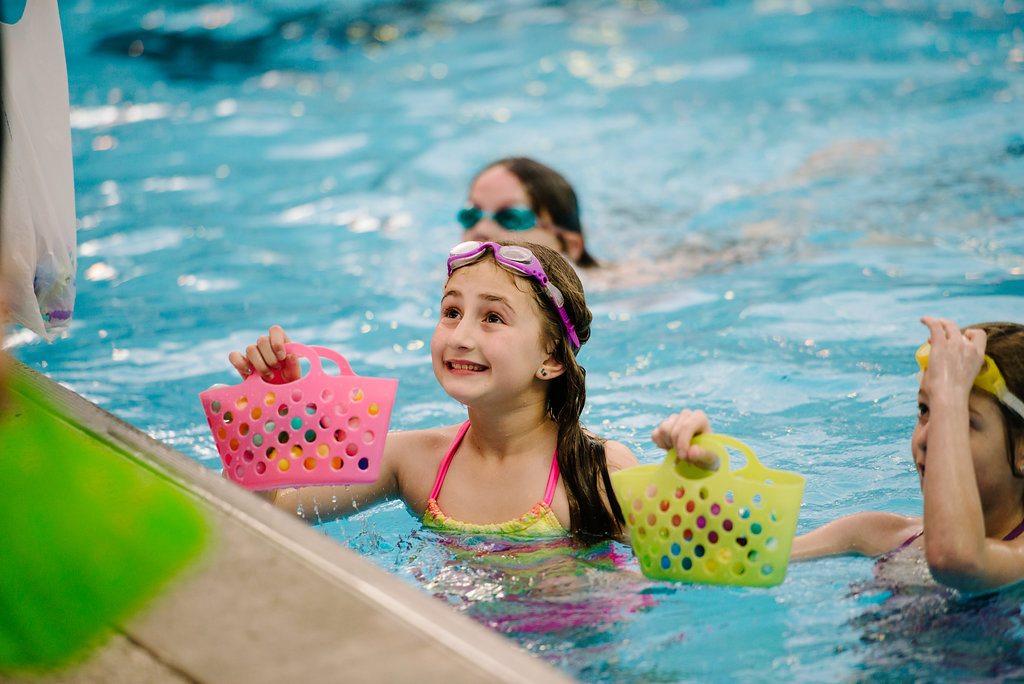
(465, 367)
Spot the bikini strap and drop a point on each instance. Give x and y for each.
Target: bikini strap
(1015, 532)
(549, 493)
(442, 470)
(910, 540)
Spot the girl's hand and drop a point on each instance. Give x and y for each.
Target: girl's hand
(955, 358)
(677, 431)
(267, 355)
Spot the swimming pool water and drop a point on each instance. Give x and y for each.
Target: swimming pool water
(818, 174)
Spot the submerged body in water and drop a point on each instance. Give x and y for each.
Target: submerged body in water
(914, 619)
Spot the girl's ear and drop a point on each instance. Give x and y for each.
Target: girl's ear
(573, 244)
(551, 369)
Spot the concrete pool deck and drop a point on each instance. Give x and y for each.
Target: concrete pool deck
(272, 599)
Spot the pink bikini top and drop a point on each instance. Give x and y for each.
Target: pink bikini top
(538, 521)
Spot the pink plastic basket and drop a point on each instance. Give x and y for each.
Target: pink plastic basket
(319, 429)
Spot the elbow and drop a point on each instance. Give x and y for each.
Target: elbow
(955, 566)
(287, 500)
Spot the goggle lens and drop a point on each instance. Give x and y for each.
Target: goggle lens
(469, 217)
(509, 218)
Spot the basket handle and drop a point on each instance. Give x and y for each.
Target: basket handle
(716, 443)
(325, 353)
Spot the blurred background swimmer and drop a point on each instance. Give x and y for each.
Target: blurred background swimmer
(520, 199)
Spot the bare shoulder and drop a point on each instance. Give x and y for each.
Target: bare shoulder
(881, 531)
(899, 526)
(421, 447)
(618, 456)
(423, 438)
(868, 533)
(417, 455)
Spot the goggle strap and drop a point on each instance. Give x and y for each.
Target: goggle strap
(1010, 401)
(1003, 396)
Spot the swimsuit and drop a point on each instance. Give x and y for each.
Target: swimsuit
(539, 521)
(1014, 533)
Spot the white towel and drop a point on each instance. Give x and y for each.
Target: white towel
(37, 199)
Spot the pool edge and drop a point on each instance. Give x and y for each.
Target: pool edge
(276, 599)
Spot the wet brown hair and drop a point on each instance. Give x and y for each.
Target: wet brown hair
(1004, 342)
(548, 191)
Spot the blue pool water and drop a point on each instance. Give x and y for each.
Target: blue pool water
(816, 174)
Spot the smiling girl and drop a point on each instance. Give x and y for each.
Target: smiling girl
(513, 318)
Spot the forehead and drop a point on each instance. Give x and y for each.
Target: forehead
(979, 402)
(485, 277)
(497, 187)
(984, 403)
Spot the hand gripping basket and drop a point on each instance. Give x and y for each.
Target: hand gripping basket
(319, 429)
(716, 527)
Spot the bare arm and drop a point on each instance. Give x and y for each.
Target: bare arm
(870, 533)
(407, 471)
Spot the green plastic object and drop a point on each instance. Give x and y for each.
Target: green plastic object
(87, 535)
(715, 527)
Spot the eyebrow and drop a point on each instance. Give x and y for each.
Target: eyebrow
(452, 292)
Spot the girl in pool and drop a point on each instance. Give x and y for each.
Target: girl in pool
(513, 318)
(523, 200)
(968, 446)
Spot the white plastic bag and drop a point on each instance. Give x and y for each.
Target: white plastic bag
(37, 205)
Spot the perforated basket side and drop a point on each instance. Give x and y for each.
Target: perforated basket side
(328, 431)
(723, 530)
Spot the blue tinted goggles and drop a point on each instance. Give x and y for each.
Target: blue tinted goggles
(509, 218)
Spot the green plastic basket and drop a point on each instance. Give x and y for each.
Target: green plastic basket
(715, 527)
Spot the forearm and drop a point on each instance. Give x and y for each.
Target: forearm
(328, 502)
(818, 543)
(953, 520)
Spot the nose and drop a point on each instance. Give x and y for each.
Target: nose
(462, 335)
(485, 230)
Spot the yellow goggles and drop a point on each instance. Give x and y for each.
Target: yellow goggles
(989, 380)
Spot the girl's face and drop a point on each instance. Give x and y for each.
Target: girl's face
(987, 434)
(488, 344)
(497, 188)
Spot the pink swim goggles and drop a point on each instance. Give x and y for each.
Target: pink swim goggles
(521, 260)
